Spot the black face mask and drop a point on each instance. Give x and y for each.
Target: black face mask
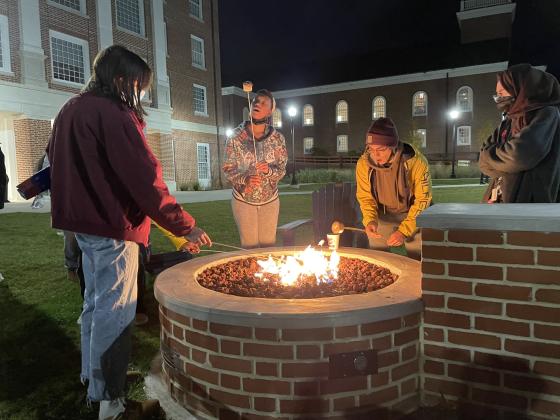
(503, 103)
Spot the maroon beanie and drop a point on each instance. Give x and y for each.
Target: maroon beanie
(382, 132)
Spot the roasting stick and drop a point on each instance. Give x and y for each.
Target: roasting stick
(230, 246)
(338, 227)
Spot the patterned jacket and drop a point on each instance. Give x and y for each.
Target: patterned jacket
(240, 163)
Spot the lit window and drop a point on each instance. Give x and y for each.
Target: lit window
(307, 145)
(342, 143)
(245, 114)
(341, 112)
(195, 8)
(197, 49)
(200, 106)
(77, 5)
(464, 135)
(308, 115)
(419, 104)
(277, 118)
(465, 99)
(5, 64)
(420, 135)
(69, 58)
(130, 15)
(378, 108)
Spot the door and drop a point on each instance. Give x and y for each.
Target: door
(203, 161)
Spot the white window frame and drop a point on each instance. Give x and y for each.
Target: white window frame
(74, 40)
(308, 122)
(142, 33)
(200, 17)
(424, 134)
(339, 117)
(166, 39)
(468, 130)
(419, 114)
(277, 118)
(5, 36)
(308, 150)
(195, 38)
(198, 113)
(469, 99)
(338, 139)
(82, 10)
(378, 98)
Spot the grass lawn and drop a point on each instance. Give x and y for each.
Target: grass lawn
(39, 337)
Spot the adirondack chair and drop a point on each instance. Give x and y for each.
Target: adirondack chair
(331, 202)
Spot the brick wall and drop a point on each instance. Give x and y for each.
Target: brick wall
(31, 138)
(491, 331)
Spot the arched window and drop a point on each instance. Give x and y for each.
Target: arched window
(464, 135)
(307, 145)
(277, 118)
(419, 104)
(341, 111)
(308, 118)
(245, 114)
(378, 108)
(465, 99)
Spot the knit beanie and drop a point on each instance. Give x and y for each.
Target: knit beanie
(382, 132)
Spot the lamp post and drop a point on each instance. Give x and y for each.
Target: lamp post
(292, 111)
(453, 115)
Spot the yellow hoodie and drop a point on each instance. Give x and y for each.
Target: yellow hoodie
(177, 241)
(419, 181)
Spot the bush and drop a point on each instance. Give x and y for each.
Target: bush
(321, 176)
(441, 170)
(190, 186)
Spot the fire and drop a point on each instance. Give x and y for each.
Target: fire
(306, 263)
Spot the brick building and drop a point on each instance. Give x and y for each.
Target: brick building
(47, 48)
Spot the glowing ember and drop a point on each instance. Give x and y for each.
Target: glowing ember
(309, 262)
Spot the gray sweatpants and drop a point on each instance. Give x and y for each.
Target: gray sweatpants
(256, 224)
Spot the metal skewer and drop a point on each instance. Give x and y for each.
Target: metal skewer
(338, 227)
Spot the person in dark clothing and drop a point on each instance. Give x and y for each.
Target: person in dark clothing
(523, 154)
(3, 181)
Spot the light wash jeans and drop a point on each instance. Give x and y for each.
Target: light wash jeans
(110, 269)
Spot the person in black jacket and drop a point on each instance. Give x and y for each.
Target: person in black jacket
(523, 154)
(3, 181)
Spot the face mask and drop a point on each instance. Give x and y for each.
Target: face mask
(503, 103)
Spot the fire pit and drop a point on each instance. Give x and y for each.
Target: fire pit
(327, 357)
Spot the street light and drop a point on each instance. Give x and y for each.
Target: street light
(453, 115)
(292, 111)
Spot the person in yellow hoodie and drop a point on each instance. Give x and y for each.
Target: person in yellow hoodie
(393, 187)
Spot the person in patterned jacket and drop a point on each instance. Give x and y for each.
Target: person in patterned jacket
(255, 162)
(393, 187)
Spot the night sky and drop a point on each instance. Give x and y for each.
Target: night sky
(283, 44)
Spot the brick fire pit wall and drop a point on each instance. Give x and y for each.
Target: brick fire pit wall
(491, 289)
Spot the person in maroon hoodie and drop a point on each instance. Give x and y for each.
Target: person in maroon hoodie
(106, 185)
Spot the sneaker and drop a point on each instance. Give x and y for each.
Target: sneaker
(140, 319)
(111, 410)
(79, 320)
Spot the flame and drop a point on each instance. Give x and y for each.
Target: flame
(306, 263)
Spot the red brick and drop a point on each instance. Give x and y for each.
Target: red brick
(308, 352)
(381, 326)
(267, 405)
(271, 351)
(474, 339)
(499, 398)
(228, 398)
(433, 301)
(230, 381)
(266, 369)
(197, 324)
(412, 319)
(547, 368)
(548, 295)
(380, 397)
(201, 373)
(305, 389)
(178, 332)
(488, 272)
(335, 348)
(379, 379)
(548, 332)
(499, 291)
(549, 258)
(453, 253)
(434, 268)
(305, 370)
(433, 367)
(230, 363)
(181, 319)
(387, 359)
(184, 382)
(309, 334)
(304, 406)
(489, 237)
(199, 356)
(433, 334)
(335, 386)
(344, 403)
(165, 323)
(198, 405)
(407, 336)
(472, 374)
(381, 343)
(409, 386)
(447, 353)
(533, 312)
(201, 340)
(441, 386)
(505, 256)
(472, 305)
(231, 330)
(263, 386)
(404, 370)
(447, 319)
(230, 347)
(534, 239)
(408, 353)
(434, 235)
(471, 411)
(548, 408)
(180, 348)
(501, 326)
(532, 384)
(532, 348)
(227, 414)
(447, 286)
(346, 332)
(268, 334)
(533, 275)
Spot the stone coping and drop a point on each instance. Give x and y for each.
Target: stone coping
(499, 217)
(177, 289)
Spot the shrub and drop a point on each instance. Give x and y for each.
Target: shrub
(321, 176)
(441, 170)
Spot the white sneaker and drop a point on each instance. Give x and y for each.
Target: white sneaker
(79, 320)
(108, 410)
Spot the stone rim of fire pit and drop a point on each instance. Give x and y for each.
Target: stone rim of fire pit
(178, 290)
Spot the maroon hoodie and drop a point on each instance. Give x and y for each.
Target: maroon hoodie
(105, 180)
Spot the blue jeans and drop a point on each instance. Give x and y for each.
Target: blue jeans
(110, 269)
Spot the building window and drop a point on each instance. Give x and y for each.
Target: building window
(245, 114)
(69, 59)
(308, 118)
(5, 64)
(307, 145)
(130, 15)
(73, 5)
(420, 134)
(419, 104)
(378, 108)
(197, 49)
(342, 112)
(465, 99)
(195, 8)
(464, 135)
(200, 105)
(277, 118)
(342, 143)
